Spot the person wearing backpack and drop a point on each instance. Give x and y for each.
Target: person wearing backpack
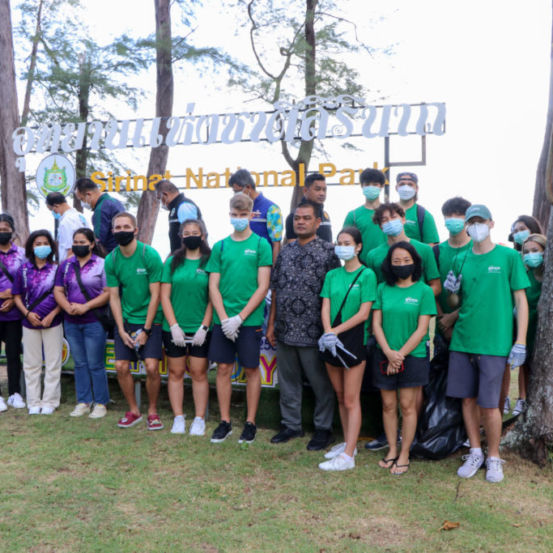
(133, 275)
(81, 290)
(33, 294)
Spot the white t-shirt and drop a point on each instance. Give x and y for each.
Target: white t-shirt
(70, 221)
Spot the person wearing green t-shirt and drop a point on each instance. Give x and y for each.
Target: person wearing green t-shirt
(372, 183)
(187, 318)
(239, 271)
(481, 344)
(348, 293)
(419, 222)
(401, 316)
(451, 255)
(133, 275)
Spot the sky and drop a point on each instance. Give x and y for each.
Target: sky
(488, 61)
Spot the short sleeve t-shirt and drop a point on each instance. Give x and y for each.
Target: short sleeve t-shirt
(12, 260)
(533, 296)
(135, 274)
(238, 262)
(371, 233)
(336, 285)
(450, 259)
(429, 267)
(485, 323)
(189, 293)
(401, 309)
(412, 227)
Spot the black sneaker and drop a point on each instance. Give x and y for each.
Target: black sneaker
(222, 432)
(321, 440)
(248, 434)
(378, 443)
(285, 435)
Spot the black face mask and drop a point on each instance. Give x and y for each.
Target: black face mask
(124, 237)
(192, 242)
(81, 251)
(403, 271)
(5, 237)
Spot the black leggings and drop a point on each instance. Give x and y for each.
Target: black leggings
(11, 333)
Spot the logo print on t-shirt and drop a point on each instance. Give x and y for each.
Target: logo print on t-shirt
(413, 301)
(494, 270)
(141, 271)
(250, 252)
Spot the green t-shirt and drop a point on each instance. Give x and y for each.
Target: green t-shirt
(429, 267)
(450, 259)
(371, 233)
(485, 323)
(135, 274)
(533, 295)
(189, 293)
(336, 285)
(401, 309)
(412, 228)
(237, 263)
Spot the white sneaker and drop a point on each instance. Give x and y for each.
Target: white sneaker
(80, 410)
(507, 406)
(520, 407)
(473, 461)
(47, 410)
(340, 462)
(3, 406)
(34, 410)
(337, 450)
(98, 412)
(16, 401)
(494, 470)
(179, 425)
(197, 428)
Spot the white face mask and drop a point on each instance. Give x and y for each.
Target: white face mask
(478, 231)
(86, 205)
(406, 192)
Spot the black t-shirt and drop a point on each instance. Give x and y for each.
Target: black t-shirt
(324, 231)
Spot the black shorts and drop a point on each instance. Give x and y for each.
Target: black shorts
(414, 374)
(172, 350)
(150, 350)
(353, 340)
(246, 346)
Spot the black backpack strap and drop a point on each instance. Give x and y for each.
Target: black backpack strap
(4, 269)
(420, 219)
(436, 250)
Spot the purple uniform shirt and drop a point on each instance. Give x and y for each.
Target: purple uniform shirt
(12, 260)
(30, 283)
(93, 278)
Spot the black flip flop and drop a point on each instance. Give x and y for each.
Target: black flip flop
(390, 460)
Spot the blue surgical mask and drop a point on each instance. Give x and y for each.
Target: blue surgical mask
(239, 223)
(520, 236)
(344, 252)
(454, 225)
(42, 252)
(371, 192)
(393, 227)
(56, 215)
(406, 192)
(533, 259)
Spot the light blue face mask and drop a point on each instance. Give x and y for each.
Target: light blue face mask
(454, 225)
(57, 216)
(344, 252)
(42, 252)
(520, 236)
(393, 227)
(239, 223)
(371, 192)
(533, 259)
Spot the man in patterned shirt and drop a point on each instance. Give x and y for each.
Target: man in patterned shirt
(267, 217)
(295, 327)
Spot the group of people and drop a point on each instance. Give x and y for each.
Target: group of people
(340, 315)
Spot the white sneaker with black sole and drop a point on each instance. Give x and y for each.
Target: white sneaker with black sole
(473, 462)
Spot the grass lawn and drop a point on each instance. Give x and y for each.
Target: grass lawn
(78, 485)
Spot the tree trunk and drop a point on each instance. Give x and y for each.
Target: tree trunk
(81, 157)
(149, 205)
(14, 198)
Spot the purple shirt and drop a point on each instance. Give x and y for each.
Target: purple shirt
(12, 260)
(93, 278)
(30, 283)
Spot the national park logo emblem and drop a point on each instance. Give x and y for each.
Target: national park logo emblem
(55, 173)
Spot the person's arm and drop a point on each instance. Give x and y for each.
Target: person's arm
(166, 305)
(415, 339)
(276, 251)
(263, 278)
(208, 315)
(61, 299)
(48, 319)
(215, 295)
(152, 311)
(115, 304)
(270, 333)
(98, 301)
(31, 316)
(436, 286)
(395, 358)
(521, 303)
(7, 304)
(360, 317)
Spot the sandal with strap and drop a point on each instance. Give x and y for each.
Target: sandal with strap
(387, 461)
(406, 467)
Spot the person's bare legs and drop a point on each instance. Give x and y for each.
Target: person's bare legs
(253, 392)
(492, 425)
(200, 385)
(126, 383)
(408, 405)
(352, 403)
(471, 416)
(175, 384)
(153, 383)
(224, 389)
(336, 376)
(389, 420)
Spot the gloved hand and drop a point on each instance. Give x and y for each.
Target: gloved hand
(328, 342)
(231, 327)
(517, 356)
(452, 283)
(177, 336)
(200, 336)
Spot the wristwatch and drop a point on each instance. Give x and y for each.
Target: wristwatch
(205, 327)
(148, 331)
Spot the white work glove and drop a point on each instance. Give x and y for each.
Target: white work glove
(200, 336)
(231, 327)
(328, 342)
(452, 283)
(517, 356)
(177, 335)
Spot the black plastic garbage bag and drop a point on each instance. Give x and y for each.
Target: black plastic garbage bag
(440, 429)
